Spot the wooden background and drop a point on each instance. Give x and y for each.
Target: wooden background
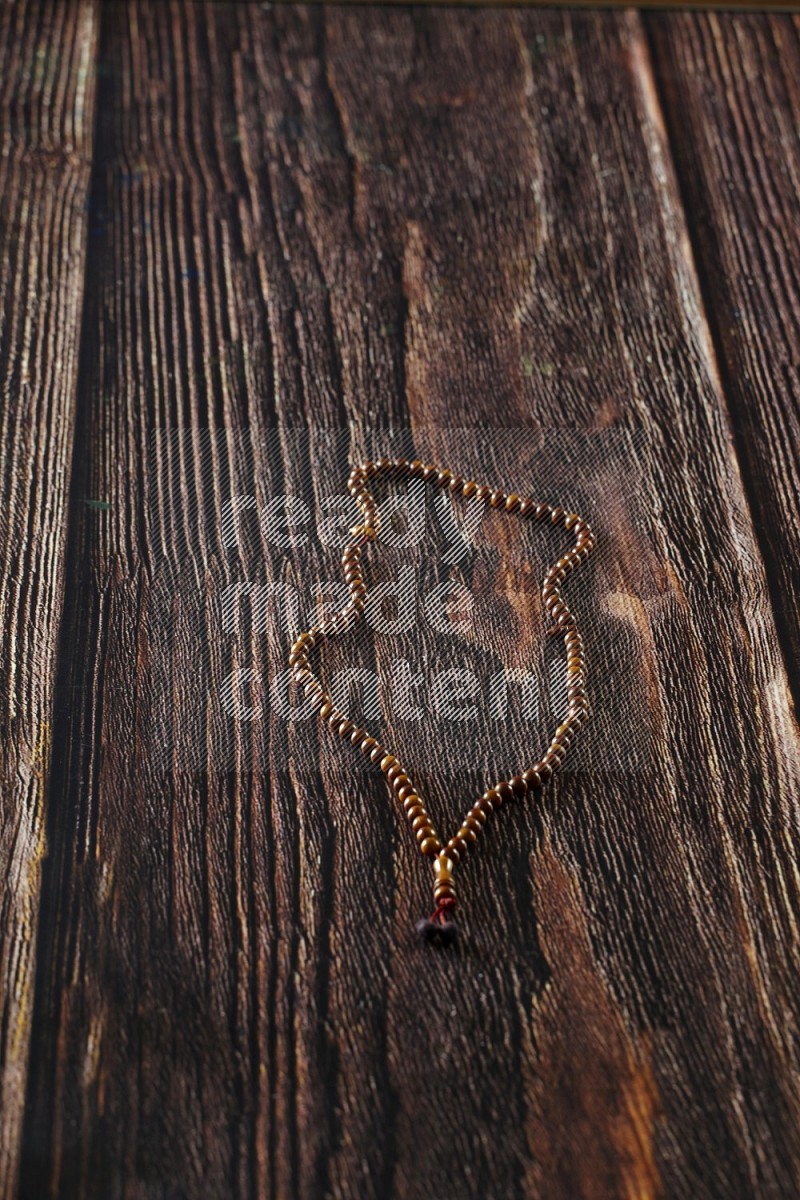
(236, 218)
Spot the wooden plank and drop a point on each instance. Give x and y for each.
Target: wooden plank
(733, 105)
(46, 108)
(676, 5)
(321, 222)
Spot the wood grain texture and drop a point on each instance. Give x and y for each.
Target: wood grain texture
(753, 6)
(316, 222)
(46, 124)
(732, 101)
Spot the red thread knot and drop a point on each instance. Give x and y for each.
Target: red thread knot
(442, 908)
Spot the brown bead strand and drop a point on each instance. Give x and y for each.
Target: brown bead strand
(448, 856)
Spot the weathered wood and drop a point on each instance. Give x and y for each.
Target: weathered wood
(732, 102)
(46, 111)
(316, 221)
(752, 6)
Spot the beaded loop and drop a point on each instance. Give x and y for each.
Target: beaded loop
(438, 928)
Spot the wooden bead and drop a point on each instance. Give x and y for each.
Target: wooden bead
(430, 845)
(456, 846)
(443, 867)
(443, 892)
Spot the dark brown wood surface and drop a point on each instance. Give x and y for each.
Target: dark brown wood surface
(556, 250)
(731, 103)
(46, 125)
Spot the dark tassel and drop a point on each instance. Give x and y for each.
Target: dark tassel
(436, 929)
